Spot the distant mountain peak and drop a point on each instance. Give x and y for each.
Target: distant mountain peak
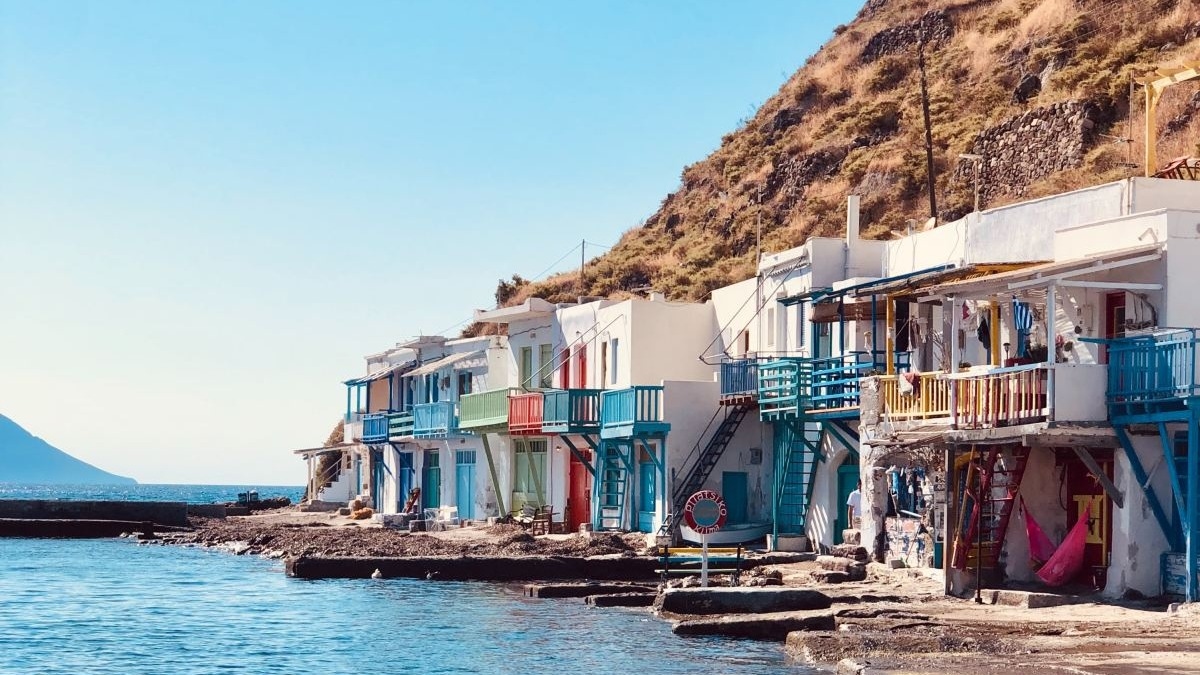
(25, 458)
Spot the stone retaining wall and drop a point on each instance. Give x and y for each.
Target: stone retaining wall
(161, 513)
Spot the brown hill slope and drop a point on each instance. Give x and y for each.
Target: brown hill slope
(1040, 87)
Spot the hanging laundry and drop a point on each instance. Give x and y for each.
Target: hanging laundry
(910, 383)
(901, 327)
(1023, 322)
(984, 333)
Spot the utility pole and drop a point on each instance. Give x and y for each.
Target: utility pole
(928, 129)
(582, 264)
(758, 231)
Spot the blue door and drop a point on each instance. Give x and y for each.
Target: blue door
(647, 493)
(735, 491)
(404, 479)
(377, 478)
(464, 483)
(847, 475)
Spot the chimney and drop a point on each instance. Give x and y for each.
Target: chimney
(655, 296)
(852, 214)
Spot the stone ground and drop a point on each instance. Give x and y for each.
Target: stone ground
(895, 621)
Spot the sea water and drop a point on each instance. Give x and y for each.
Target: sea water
(192, 494)
(114, 606)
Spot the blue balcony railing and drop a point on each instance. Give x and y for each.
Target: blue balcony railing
(571, 411)
(835, 380)
(1152, 372)
(375, 428)
(632, 411)
(783, 388)
(432, 420)
(739, 378)
(400, 424)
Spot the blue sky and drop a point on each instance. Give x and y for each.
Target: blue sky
(210, 211)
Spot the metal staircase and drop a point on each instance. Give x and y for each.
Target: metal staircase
(711, 454)
(797, 453)
(612, 482)
(989, 493)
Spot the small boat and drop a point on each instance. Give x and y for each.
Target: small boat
(730, 534)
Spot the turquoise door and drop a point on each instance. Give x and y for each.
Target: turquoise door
(847, 480)
(735, 491)
(464, 483)
(647, 495)
(431, 480)
(377, 478)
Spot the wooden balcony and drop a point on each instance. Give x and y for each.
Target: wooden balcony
(525, 413)
(636, 411)
(375, 428)
(434, 420)
(571, 411)
(927, 398)
(485, 411)
(1001, 397)
(1151, 375)
(400, 425)
(739, 380)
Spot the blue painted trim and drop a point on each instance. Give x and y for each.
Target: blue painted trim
(579, 455)
(1192, 539)
(1139, 474)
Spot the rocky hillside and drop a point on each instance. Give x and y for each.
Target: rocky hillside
(1041, 88)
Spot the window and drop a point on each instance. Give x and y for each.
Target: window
(771, 327)
(525, 368)
(464, 384)
(545, 366)
(581, 366)
(603, 363)
(529, 473)
(616, 353)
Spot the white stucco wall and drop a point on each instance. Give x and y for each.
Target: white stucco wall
(823, 511)
(668, 340)
(688, 406)
(1137, 539)
(734, 310)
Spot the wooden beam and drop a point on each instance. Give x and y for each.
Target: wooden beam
(1114, 494)
(1048, 440)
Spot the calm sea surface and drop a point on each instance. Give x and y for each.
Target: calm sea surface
(193, 494)
(112, 606)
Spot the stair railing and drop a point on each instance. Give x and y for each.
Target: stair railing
(701, 442)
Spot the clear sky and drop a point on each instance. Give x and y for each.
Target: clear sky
(209, 211)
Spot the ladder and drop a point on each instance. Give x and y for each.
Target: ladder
(989, 494)
(711, 454)
(612, 482)
(797, 453)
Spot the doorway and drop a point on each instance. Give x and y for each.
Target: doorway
(847, 482)
(735, 491)
(464, 483)
(431, 480)
(579, 493)
(647, 491)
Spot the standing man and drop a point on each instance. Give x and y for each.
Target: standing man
(854, 506)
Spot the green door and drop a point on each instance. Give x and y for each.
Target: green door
(847, 480)
(647, 493)
(431, 480)
(464, 490)
(735, 491)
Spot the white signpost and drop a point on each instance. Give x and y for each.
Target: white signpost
(705, 513)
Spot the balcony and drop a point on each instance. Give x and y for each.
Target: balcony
(926, 398)
(1001, 397)
(783, 387)
(571, 411)
(375, 428)
(835, 384)
(400, 424)
(1152, 374)
(486, 411)
(636, 411)
(434, 420)
(525, 414)
(739, 380)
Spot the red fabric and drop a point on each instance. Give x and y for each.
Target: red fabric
(1068, 559)
(1041, 548)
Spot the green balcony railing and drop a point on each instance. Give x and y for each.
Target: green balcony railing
(486, 409)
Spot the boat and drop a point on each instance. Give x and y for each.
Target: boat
(730, 534)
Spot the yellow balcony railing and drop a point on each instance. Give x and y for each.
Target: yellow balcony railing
(928, 397)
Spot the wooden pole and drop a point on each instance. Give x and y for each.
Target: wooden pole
(931, 180)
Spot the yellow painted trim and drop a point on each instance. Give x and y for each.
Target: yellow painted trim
(890, 319)
(995, 321)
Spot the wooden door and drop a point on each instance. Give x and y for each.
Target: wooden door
(579, 494)
(736, 493)
(1084, 492)
(464, 483)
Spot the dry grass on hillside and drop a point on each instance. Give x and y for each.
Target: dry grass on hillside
(843, 124)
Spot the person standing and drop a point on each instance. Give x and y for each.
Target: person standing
(854, 506)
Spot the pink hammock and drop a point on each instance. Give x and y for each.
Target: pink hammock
(1040, 546)
(1068, 559)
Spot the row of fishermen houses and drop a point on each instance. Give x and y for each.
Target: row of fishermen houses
(1034, 362)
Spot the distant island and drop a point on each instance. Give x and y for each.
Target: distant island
(25, 458)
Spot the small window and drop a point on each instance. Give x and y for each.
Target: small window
(464, 384)
(526, 367)
(545, 366)
(616, 354)
(771, 327)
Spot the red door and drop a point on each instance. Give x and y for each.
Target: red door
(1114, 319)
(579, 497)
(581, 367)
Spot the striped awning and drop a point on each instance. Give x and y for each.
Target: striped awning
(463, 360)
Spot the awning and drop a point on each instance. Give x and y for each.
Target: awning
(434, 366)
(920, 280)
(832, 312)
(1055, 272)
(379, 374)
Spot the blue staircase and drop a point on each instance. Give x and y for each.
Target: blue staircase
(797, 453)
(711, 454)
(612, 483)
